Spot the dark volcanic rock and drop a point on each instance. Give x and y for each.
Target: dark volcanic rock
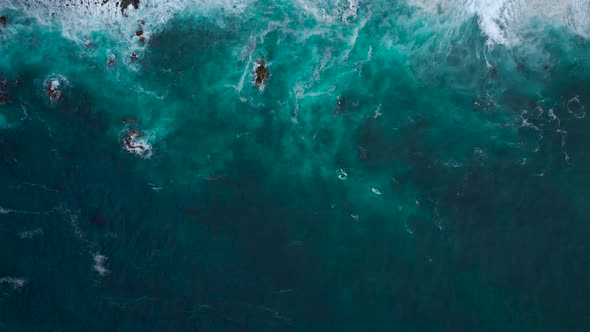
(126, 3)
(261, 73)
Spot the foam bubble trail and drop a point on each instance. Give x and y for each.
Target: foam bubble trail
(16, 211)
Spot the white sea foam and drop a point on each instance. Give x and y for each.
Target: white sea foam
(99, 264)
(142, 148)
(342, 175)
(353, 37)
(351, 11)
(138, 145)
(38, 213)
(507, 21)
(330, 11)
(497, 18)
(99, 260)
(16, 283)
(576, 108)
(377, 112)
(75, 225)
(31, 233)
(78, 19)
(502, 21)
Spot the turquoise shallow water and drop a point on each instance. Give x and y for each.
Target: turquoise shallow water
(408, 166)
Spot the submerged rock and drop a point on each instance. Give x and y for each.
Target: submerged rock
(139, 32)
(97, 219)
(129, 120)
(3, 22)
(111, 61)
(3, 98)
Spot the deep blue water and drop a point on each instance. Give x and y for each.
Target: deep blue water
(406, 166)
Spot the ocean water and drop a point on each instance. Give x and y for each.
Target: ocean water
(408, 165)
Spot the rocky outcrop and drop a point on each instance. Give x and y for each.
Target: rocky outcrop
(126, 3)
(261, 73)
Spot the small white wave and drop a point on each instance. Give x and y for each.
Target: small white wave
(155, 187)
(72, 217)
(342, 175)
(576, 108)
(408, 228)
(39, 213)
(452, 163)
(553, 117)
(31, 234)
(377, 112)
(99, 264)
(16, 283)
